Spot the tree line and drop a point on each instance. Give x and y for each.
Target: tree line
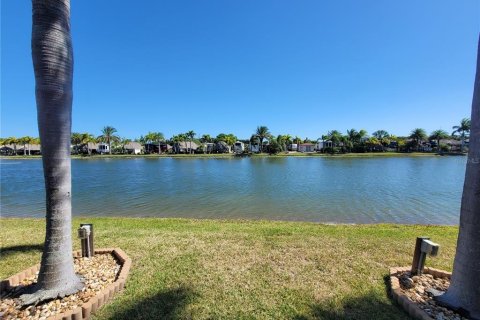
(333, 141)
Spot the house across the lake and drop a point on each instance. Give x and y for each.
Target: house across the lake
(7, 150)
(29, 149)
(238, 147)
(103, 148)
(324, 144)
(133, 147)
(185, 147)
(306, 147)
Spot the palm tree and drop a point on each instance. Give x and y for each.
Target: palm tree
(12, 141)
(229, 139)
(206, 138)
(418, 135)
(156, 137)
(76, 140)
(190, 135)
(29, 141)
(123, 142)
(52, 56)
(24, 141)
(463, 129)
(438, 135)
(334, 136)
(362, 134)
(353, 135)
(176, 139)
(372, 143)
(382, 137)
(380, 134)
(85, 139)
(262, 133)
(108, 136)
(464, 290)
(297, 140)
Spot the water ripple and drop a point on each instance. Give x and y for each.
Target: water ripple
(401, 190)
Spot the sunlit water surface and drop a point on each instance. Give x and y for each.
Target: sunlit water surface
(424, 190)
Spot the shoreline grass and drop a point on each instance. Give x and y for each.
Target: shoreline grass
(242, 269)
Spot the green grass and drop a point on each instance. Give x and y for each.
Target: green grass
(215, 269)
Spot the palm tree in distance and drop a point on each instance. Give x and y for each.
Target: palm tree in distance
(27, 140)
(353, 136)
(206, 138)
(123, 143)
(464, 289)
(382, 137)
(12, 141)
(85, 139)
(52, 57)
(438, 135)
(380, 134)
(262, 133)
(155, 137)
(76, 140)
(190, 134)
(334, 136)
(109, 136)
(463, 129)
(418, 135)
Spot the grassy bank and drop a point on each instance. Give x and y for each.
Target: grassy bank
(208, 269)
(231, 155)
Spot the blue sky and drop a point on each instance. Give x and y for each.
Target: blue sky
(298, 67)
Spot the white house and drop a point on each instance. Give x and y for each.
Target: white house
(293, 147)
(306, 147)
(324, 144)
(103, 148)
(133, 147)
(238, 147)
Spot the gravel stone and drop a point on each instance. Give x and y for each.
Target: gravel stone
(420, 289)
(97, 272)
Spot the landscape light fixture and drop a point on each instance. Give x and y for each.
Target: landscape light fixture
(85, 234)
(423, 246)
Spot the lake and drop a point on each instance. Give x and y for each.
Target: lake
(424, 190)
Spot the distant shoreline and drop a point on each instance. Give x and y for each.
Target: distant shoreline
(263, 155)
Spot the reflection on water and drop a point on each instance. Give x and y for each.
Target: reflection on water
(353, 190)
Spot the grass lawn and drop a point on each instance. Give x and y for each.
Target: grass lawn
(214, 269)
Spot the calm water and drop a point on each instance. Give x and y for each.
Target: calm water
(361, 190)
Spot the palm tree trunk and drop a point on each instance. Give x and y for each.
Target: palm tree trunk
(53, 65)
(464, 290)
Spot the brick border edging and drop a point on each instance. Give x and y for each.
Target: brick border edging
(84, 311)
(408, 305)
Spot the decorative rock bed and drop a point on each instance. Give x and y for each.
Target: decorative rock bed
(104, 274)
(415, 294)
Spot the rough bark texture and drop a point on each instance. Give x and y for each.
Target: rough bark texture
(464, 291)
(52, 56)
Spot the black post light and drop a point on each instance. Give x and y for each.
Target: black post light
(423, 246)
(85, 234)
